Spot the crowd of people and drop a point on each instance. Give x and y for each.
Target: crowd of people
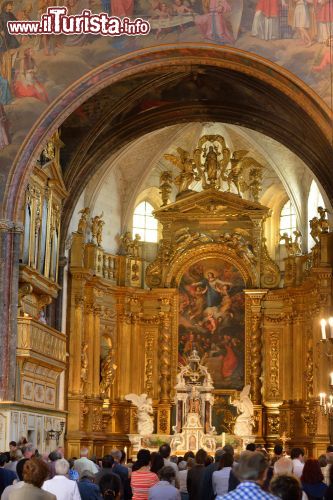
(251, 474)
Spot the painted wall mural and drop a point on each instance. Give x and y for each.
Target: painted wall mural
(211, 320)
(35, 70)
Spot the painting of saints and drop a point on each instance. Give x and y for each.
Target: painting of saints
(266, 19)
(211, 320)
(213, 24)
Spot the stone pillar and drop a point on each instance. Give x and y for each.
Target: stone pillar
(10, 236)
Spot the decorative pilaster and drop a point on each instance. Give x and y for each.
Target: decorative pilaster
(10, 236)
(254, 310)
(165, 352)
(164, 408)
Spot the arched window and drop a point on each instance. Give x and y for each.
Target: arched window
(315, 200)
(288, 219)
(144, 223)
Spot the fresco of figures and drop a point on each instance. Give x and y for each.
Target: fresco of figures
(295, 34)
(211, 320)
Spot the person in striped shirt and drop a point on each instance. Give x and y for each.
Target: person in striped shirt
(142, 478)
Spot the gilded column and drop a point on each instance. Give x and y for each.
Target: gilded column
(164, 356)
(89, 337)
(254, 310)
(164, 408)
(97, 351)
(254, 351)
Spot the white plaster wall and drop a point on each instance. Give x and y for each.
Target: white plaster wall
(108, 201)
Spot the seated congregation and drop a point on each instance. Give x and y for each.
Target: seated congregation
(252, 474)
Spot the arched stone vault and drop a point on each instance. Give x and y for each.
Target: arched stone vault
(208, 83)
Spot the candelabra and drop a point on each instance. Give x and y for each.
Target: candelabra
(326, 401)
(52, 434)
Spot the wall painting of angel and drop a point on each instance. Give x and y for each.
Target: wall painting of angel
(212, 320)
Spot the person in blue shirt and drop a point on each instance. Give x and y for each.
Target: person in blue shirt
(251, 471)
(87, 488)
(7, 477)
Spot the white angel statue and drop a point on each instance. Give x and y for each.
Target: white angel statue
(145, 412)
(244, 421)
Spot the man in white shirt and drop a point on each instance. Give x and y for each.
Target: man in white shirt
(61, 486)
(84, 464)
(297, 456)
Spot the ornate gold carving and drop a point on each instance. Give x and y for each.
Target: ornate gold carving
(131, 247)
(212, 164)
(84, 409)
(108, 374)
(323, 222)
(24, 289)
(209, 250)
(97, 419)
(163, 421)
(84, 365)
(187, 169)
(292, 247)
(239, 164)
(319, 225)
(149, 352)
(48, 153)
(97, 229)
(39, 339)
(273, 424)
(309, 365)
(310, 417)
(164, 357)
(83, 222)
(274, 385)
(165, 186)
(270, 272)
(256, 358)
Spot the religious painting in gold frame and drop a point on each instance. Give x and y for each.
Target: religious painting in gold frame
(212, 320)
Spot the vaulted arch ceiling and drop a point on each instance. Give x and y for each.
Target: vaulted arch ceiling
(137, 106)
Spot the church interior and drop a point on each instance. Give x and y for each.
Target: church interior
(170, 236)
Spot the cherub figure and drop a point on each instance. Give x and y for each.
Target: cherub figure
(187, 169)
(83, 222)
(135, 246)
(126, 240)
(315, 229)
(96, 228)
(239, 163)
(287, 243)
(323, 222)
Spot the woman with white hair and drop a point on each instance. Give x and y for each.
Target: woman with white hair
(60, 485)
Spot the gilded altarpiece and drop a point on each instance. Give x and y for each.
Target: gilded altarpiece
(125, 338)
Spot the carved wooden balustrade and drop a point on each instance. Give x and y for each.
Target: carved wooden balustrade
(41, 343)
(123, 270)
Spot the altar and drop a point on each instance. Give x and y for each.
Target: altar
(194, 401)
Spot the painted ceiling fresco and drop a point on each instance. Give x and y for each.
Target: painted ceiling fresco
(35, 70)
